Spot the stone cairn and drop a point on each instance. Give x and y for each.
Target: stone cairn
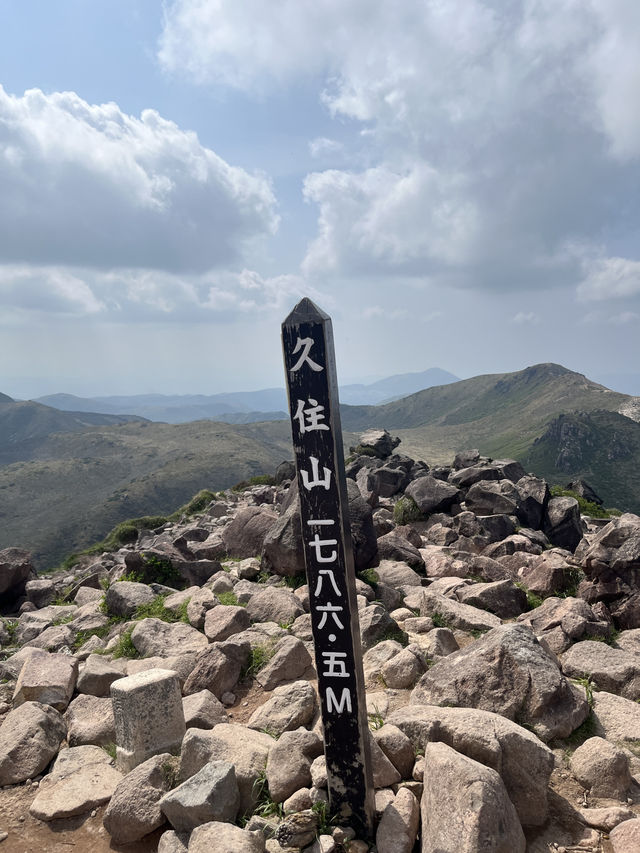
(168, 688)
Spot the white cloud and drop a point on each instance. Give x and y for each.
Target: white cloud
(87, 185)
(624, 318)
(609, 278)
(526, 318)
(323, 147)
(129, 295)
(482, 119)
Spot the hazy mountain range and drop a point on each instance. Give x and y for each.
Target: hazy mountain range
(241, 406)
(66, 478)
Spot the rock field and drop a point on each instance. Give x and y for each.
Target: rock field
(501, 647)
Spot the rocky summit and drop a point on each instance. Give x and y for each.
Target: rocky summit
(164, 695)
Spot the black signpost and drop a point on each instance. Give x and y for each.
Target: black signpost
(317, 439)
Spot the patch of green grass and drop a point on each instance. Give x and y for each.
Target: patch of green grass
(11, 627)
(295, 581)
(573, 578)
(63, 620)
(228, 599)
(376, 721)
(161, 570)
(156, 610)
(396, 634)
(476, 633)
(110, 749)
(439, 620)
(265, 806)
(406, 510)
(533, 600)
(259, 657)
(82, 636)
(588, 685)
(369, 576)
(326, 821)
(583, 732)
(586, 507)
(258, 480)
(124, 648)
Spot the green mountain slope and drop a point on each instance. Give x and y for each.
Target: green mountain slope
(601, 447)
(73, 488)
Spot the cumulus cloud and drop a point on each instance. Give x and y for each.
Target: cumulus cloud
(498, 133)
(607, 278)
(526, 318)
(129, 295)
(87, 185)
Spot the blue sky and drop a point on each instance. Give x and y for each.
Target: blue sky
(456, 183)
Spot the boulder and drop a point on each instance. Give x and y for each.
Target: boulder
(223, 621)
(397, 747)
(30, 736)
(398, 826)
(247, 750)
(432, 495)
(282, 552)
(48, 679)
(153, 637)
(503, 598)
(492, 497)
(289, 763)
(508, 672)
(77, 793)
(274, 604)
(244, 536)
(524, 763)
(455, 614)
(613, 670)
(616, 719)
(289, 662)
(90, 720)
(290, 706)
(376, 625)
(218, 667)
(363, 534)
(395, 546)
(210, 794)
(124, 597)
(15, 570)
(562, 621)
(134, 809)
(465, 807)
(203, 711)
(625, 838)
(562, 523)
(379, 441)
(533, 497)
(97, 675)
(40, 592)
(216, 835)
(601, 768)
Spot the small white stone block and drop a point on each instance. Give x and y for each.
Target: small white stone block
(149, 720)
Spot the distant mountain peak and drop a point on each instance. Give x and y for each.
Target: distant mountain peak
(5, 398)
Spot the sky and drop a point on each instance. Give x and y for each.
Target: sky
(456, 182)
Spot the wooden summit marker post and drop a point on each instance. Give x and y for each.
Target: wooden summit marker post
(312, 386)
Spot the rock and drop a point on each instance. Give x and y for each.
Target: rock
(503, 598)
(218, 668)
(148, 714)
(363, 534)
(211, 794)
(616, 719)
(375, 625)
(432, 495)
(274, 604)
(455, 614)
(124, 597)
(385, 773)
(153, 637)
(613, 670)
(33, 623)
(465, 807)
(465, 477)
(247, 750)
(40, 592)
(397, 573)
(289, 763)
(562, 621)
(601, 768)
(398, 825)
(15, 570)
(30, 736)
(508, 672)
(134, 809)
(203, 711)
(533, 497)
(605, 818)
(625, 838)
(562, 523)
(298, 830)
(48, 679)
(173, 842)
(379, 441)
(290, 661)
(397, 747)
(79, 792)
(404, 669)
(216, 835)
(524, 763)
(245, 535)
(394, 546)
(439, 642)
(282, 552)
(492, 498)
(225, 620)
(97, 676)
(200, 602)
(90, 720)
(290, 706)
(378, 655)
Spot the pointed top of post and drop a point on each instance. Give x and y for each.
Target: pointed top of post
(305, 311)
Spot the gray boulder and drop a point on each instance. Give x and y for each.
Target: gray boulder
(218, 667)
(290, 706)
(245, 535)
(562, 523)
(492, 497)
(465, 807)
(156, 638)
(30, 737)
(89, 720)
(134, 809)
(216, 835)
(503, 598)
(289, 763)
(124, 597)
(432, 495)
(210, 794)
(15, 570)
(508, 672)
(613, 670)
